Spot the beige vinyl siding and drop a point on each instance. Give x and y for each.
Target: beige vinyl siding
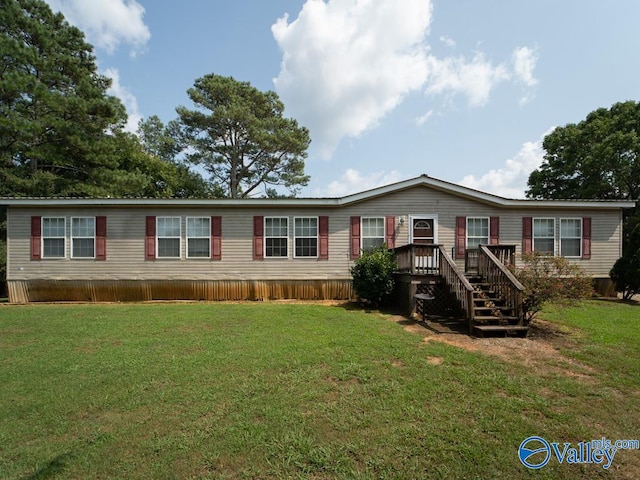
(126, 252)
(126, 238)
(606, 243)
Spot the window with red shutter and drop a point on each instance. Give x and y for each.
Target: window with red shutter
(461, 236)
(354, 234)
(527, 234)
(216, 238)
(258, 237)
(150, 238)
(323, 236)
(101, 238)
(390, 232)
(36, 238)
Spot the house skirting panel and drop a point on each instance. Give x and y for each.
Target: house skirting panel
(25, 291)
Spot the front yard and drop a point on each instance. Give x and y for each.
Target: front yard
(280, 390)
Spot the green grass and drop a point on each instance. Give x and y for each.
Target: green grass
(295, 391)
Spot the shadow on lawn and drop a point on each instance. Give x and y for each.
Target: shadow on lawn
(54, 467)
(435, 323)
(633, 301)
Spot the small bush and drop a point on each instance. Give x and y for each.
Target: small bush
(626, 271)
(373, 275)
(546, 279)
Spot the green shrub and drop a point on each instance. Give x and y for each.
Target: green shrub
(626, 271)
(546, 279)
(373, 275)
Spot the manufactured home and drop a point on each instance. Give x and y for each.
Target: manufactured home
(134, 249)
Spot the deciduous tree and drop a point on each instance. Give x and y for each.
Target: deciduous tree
(598, 157)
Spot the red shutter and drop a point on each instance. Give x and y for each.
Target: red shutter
(527, 234)
(36, 238)
(461, 236)
(494, 230)
(390, 232)
(586, 238)
(258, 234)
(323, 238)
(101, 238)
(355, 238)
(150, 239)
(216, 238)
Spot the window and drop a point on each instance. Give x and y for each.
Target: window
(199, 237)
(168, 237)
(570, 237)
(477, 232)
(83, 237)
(306, 237)
(53, 237)
(372, 232)
(276, 236)
(544, 235)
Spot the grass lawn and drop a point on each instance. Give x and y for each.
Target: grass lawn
(279, 390)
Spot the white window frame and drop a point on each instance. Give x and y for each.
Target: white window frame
(362, 235)
(264, 245)
(579, 238)
(74, 237)
(63, 237)
(488, 237)
(158, 237)
(316, 237)
(533, 234)
(188, 237)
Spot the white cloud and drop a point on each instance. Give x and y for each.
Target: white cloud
(524, 63)
(126, 97)
(511, 180)
(421, 120)
(449, 42)
(107, 23)
(352, 181)
(475, 78)
(348, 63)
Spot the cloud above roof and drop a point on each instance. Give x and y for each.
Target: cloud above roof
(346, 64)
(510, 181)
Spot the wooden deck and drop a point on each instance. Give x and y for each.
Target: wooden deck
(486, 295)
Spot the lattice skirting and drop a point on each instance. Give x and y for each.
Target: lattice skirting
(444, 304)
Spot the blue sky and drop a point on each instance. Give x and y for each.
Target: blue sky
(462, 90)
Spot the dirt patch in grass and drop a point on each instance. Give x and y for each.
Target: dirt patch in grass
(540, 348)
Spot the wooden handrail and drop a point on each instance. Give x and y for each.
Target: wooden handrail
(506, 254)
(458, 283)
(500, 279)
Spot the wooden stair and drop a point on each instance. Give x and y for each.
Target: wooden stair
(492, 314)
